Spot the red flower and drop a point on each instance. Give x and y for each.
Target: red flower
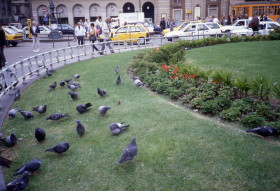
(171, 66)
(170, 77)
(181, 75)
(174, 72)
(215, 82)
(187, 76)
(194, 75)
(176, 68)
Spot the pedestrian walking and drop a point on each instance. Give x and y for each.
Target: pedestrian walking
(3, 43)
(86, 26)
(229, 20)
(106, 34)
(92, 36)
(255, 24)
(162, 24)
(35, 31)
(80, 33)
(172, 25)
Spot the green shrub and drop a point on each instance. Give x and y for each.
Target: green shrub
(143, 66)
(276, 90)
(253, 120)
(244, 105)
(261, 87)
(231, 114)
(275, 124)
(174, 93)
(226, 92)
(243, 85)
(210, 106)
(223, 102)
(197, 102)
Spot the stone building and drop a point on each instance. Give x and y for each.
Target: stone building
(6, 15)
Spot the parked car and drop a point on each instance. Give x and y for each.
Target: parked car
(194, 31)
(44, 31)
(153, 29)
(179, 26)
(265, 28)
(238, 24)
(65, 29)
(17, 25)
(13, 28)
(12, 37)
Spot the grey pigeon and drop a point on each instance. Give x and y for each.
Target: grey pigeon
(26, 114)
(19, 184)
(5, 162)
(129, 152)
(62, 83)
(103, 110)
(137, 82)
(73, 83)
(118, 80)
(117, 70)
(17, 95)
(10, 140)
(52, 86)
(82, 108)
(264, 131)
(74, 95)
(12, 113)
(73, 87)
(40, 134)
(80, 128)
(40, 109)
(117, 128)
(57, 116)
(101, 92)
(59, 148)
(68, 80)
(48, 72)
(76, 76)
(31, 166)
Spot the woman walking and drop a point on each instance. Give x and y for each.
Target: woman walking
(92, 36)
(3, 43)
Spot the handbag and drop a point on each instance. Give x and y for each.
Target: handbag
(92, 38)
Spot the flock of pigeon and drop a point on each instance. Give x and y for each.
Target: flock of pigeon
(20, 183)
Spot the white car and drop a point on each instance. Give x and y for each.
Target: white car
(238, 24)
(193, 31)
(14, 29)
(265, 28)
(44, 31)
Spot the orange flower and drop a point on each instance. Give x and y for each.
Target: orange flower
(194, 75)
(215, 82)
(174, 72)
(187, 76)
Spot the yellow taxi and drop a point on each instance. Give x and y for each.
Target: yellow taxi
(12, 36)
(130, 33)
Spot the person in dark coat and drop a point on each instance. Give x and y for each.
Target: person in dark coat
(255, 24)
(229, 20)
(3, 44)
(162, 24)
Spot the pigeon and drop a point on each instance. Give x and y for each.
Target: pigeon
(118, 80)
(40, 109)
(10, 140)
(40, 134)
(52, 86)
(101, 92)
(26, 114)
(117, 70)
(74, 83)
(62, 83)
(5, 162)
(119, 102)
(59, 148)
(12, 113)
(129, 152)
(137, 82)
(74, 95)
(103, 110)
(31, 166)
(57, 116)
(73, 87)
(17, 95)
(80, 129)
(264, 131)
(117, 128)
(68, 80)
(48, 72)
(19, 184)
(76, 76)
(82, 108)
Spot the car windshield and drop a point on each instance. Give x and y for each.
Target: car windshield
(9, 31)
(213, 25)
(178, 23)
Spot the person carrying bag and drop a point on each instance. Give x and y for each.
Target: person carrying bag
(92, 37)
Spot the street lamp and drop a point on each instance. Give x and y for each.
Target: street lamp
(52, 17)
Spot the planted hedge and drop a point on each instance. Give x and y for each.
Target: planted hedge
(253, 102)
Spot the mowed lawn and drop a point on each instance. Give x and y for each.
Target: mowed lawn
(177, 149)
(249, 58)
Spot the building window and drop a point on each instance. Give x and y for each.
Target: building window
(17, 10)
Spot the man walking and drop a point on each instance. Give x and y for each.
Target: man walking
(80, 33)
(3, 43)
(254, 24)
(35, 31)
(86, 26)
(162, 24)
(106, 33)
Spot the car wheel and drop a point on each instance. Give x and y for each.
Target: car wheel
(14, 43)
(141, 41)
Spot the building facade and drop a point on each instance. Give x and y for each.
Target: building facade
(6, 15)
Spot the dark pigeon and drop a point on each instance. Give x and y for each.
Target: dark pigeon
(5, 162)
(74, 95)
(80, 128)
(52, 86)
(31, 166)
(76, 76)
(40, 134)
(48, 72)
(117, 70)
(129, 152)
(137, 82)
(264, 131)
(82, 108)
(57, 116)
(26, 114)
(103, 110)
(73, 87)
(59, 148)
(119, 102)
(17, 95)
(117, 128)
(118, 80)
(10, 140)
(19, 184)
(68, 80)
(40, 109)
(12, 113)
(62, 83)
(101, 92)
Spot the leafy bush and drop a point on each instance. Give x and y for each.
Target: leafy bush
(276, 90)
(253, 120)
(143, 66)
(265, 110)
(210, 106)
(242, 83)
(261, 87)
(275, 124)
(231, 114)
(244, 105)
(226, 92)
(197, 102)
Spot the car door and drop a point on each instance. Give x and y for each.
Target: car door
(203, 31)
(270, 27)
(136, 32)
(189, 32)
(121, 34)
(262, 28)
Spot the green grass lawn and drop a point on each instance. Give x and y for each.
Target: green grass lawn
(250, 58)
(177, 149)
